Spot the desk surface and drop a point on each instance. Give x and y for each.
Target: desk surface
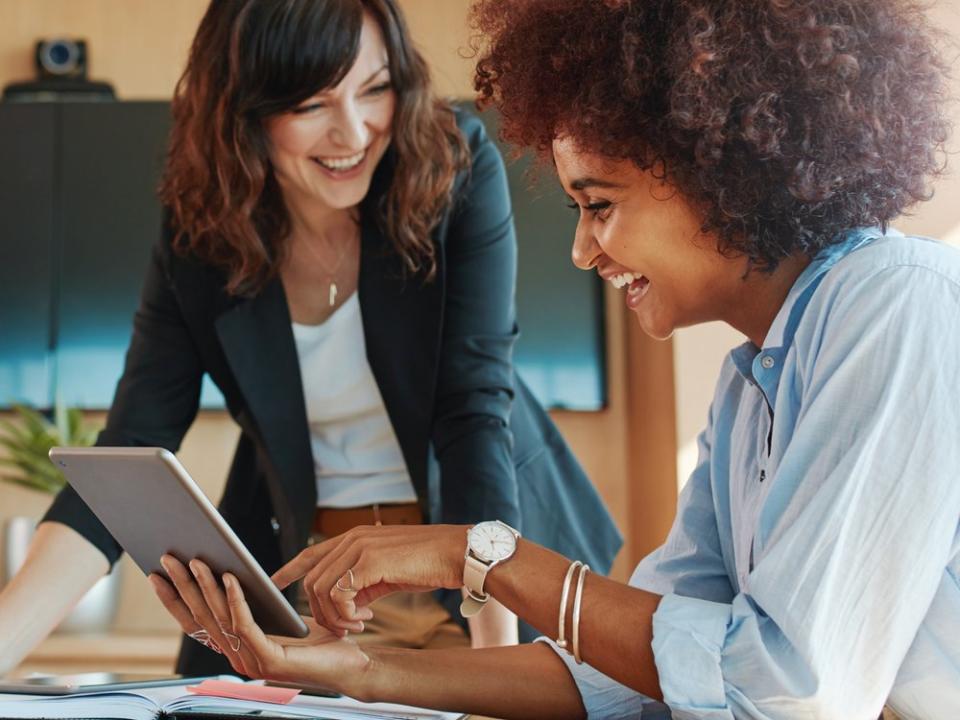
(67, 654)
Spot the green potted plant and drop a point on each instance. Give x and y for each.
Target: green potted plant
(25, 441)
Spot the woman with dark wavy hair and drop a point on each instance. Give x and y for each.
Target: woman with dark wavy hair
(737, 162)
(340, 260)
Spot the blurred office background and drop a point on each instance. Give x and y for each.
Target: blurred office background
(630, 407)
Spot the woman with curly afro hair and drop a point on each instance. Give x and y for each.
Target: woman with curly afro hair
(740, 162)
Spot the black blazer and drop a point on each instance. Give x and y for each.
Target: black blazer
(476, 443)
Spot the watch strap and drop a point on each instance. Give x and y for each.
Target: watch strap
(471, 606)
(474, 574)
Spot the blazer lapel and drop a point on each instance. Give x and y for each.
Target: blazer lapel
(257, 340)
(401, 327)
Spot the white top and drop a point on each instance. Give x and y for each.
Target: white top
(355, 450)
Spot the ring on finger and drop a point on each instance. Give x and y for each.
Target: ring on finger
(350, 587)
(232, 638)
(203, 637)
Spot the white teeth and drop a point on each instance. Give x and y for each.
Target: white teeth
(623, 279)
(342, 163)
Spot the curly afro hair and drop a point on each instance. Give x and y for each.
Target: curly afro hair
(785, 121)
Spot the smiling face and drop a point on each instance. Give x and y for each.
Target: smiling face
(642, 236)
(326, 149)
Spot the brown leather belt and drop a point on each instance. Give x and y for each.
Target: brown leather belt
(331, 522)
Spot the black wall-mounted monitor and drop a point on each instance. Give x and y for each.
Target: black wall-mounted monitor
(79, 213)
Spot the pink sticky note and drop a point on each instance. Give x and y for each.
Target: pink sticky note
(244, 691)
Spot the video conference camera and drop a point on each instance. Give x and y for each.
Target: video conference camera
(61, 58)
(61, 66)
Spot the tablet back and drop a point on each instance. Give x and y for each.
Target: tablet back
(149, 503)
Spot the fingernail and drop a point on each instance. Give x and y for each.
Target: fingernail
(228, 582)
(193, 568)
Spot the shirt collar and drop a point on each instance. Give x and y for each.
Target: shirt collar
(762, 366)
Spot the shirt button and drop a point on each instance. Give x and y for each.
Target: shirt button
(767, 362)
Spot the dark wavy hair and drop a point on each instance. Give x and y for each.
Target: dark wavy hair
(785, 121)
(251, 59)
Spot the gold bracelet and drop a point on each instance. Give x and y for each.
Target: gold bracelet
(564, 595)
(577, 598)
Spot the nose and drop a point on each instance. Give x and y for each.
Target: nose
(349, 131)
(586, 251)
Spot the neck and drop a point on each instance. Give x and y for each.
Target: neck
(310, 220)
(759, 297)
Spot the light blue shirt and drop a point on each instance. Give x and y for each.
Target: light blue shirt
(813, 570)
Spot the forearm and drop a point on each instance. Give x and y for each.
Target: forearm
(616, 621)
(495, 682)
(61, 565)
(496, 626)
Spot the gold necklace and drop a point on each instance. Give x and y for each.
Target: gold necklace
(332, 289)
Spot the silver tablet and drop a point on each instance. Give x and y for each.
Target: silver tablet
(152, 506)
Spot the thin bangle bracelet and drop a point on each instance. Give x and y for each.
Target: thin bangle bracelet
(564, 596)
(576, 613)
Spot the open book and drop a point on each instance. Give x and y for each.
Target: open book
(147, 704)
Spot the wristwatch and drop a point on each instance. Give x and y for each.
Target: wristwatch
(488, 543)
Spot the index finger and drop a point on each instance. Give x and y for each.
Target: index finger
(304, 562)
(295, 569)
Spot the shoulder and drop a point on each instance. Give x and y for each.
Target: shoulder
(472, 128)
(894, 292)
(485, 163)
(898, 262)
(180, 266)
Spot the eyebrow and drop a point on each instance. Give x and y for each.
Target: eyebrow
(385, 66)
(589, 182)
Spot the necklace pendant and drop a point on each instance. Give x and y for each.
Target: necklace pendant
(333, 293)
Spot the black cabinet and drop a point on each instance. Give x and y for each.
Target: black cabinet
(78, 215)
(27, 178)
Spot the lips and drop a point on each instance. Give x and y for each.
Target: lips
(341, 164)
(624, 279)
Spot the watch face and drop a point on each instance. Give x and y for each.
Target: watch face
(491, 541)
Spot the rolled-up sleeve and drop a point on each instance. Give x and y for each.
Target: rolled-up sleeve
(688, 639)
(604, 697)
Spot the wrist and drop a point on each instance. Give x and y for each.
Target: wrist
(455, 548)
(370, 684)
(352, 679)
(488, 544)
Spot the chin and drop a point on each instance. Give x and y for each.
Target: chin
(346, 198)
(654, 329)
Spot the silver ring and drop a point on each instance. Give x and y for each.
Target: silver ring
(203, 637)
(350, 588)
(232, 638)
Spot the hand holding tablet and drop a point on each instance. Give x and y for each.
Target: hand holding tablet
(152, 507)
